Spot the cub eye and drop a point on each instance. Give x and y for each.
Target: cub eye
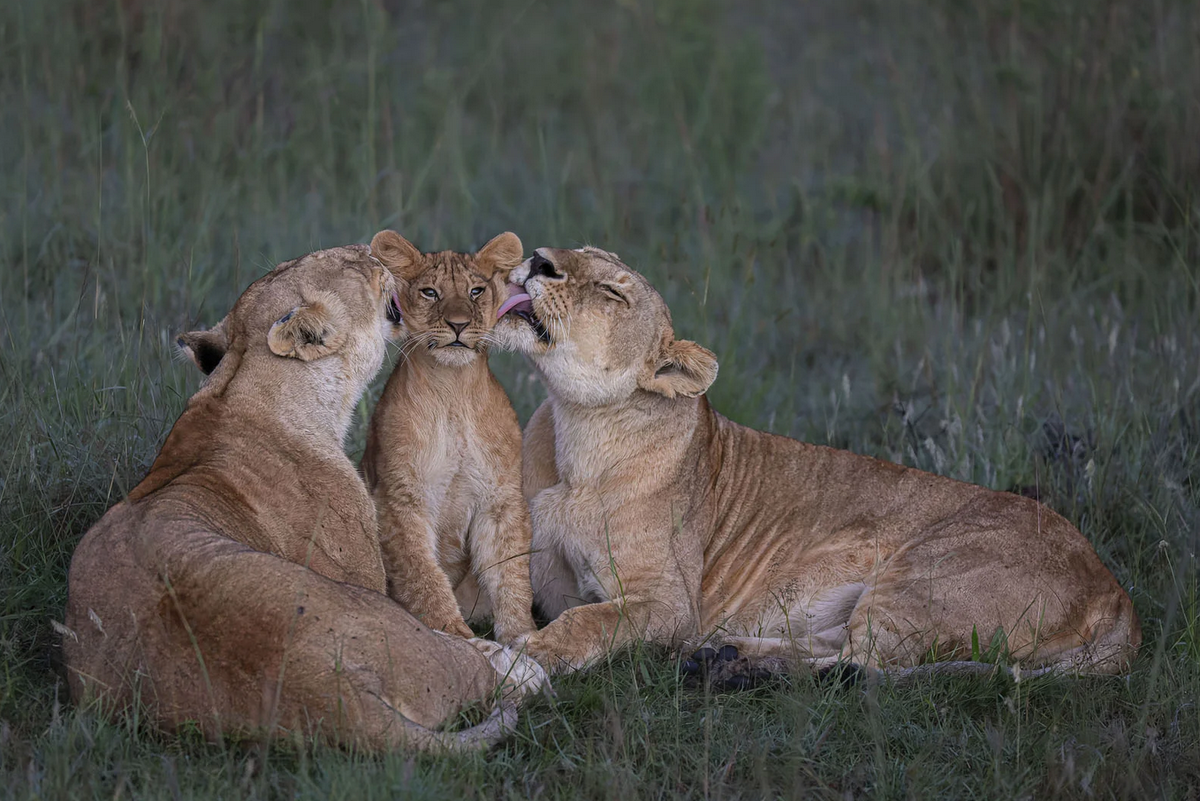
(430, 293)
(476, 291)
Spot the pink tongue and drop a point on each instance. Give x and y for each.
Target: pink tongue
(519, 299)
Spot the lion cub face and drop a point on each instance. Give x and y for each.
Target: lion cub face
(449, 299)
(333, 305)
(598, 331)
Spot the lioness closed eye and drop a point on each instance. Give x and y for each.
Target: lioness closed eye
(239, 585)
(654, 517)
(443, 456)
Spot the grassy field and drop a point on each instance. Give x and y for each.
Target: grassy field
(962, 236)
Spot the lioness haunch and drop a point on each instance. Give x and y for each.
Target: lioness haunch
(240, 583)
(656, 518)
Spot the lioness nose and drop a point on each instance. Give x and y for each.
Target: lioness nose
(540, 265)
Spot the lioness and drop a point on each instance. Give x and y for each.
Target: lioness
(239, 585)
(443, 457)
(654, 517)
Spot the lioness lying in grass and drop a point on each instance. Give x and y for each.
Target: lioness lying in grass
(656, 518)
(240, 583)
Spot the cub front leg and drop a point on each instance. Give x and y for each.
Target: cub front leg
(500, 545)
(415, 579)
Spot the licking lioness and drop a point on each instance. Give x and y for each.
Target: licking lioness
(240, 583)
(656, 518)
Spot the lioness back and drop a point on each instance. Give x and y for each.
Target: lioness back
(443, 456)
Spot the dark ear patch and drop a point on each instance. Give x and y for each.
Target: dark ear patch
(617, 289)
(205, 348)
(306, 335)
(208, 357)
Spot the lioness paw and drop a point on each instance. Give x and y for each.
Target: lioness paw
(520, 675)
(725, 669)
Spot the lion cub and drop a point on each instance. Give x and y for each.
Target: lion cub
(443, 456)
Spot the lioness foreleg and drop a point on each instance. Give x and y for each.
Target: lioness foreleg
(583, 635)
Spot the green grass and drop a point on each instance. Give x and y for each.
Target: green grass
(959, 236)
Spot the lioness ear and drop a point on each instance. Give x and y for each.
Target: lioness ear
(501, 255)
(205, 348)
(617, 288)
(309, 332)
(397, 254)
(684, 368)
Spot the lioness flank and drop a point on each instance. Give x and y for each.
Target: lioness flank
(656, 518)
(240, 583)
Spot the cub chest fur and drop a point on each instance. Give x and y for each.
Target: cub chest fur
(457, 483)
(443, 461)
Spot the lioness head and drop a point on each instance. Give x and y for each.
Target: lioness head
(597, 331)
(450, 299)
(338, 305)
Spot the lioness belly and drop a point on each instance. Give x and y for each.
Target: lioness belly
(904, 589)
(806, 595)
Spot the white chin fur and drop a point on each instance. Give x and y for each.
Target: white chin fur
(574, 380)
(514, 334)
(454, 357)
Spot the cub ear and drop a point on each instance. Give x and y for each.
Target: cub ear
(311, 331)
(684, 368)
(205, 348)
(397, 254)
(501, 255)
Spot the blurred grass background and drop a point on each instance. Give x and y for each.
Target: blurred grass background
(962, 236)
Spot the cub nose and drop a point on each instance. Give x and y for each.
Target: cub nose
(459, 324)
(540, 265)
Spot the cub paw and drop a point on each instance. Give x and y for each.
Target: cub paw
(456, 627)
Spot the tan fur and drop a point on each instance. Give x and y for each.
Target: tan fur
(239, 585)
(443, 456)
(656, 518)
